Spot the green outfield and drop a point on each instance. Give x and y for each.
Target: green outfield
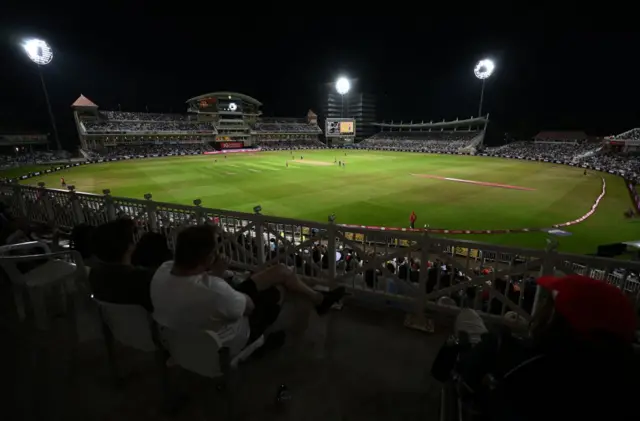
(381, 188)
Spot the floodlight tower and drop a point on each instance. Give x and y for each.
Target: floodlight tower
(483, 70)
(342, 87)
(40, 52)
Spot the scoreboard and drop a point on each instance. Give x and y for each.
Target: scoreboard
(340, 127)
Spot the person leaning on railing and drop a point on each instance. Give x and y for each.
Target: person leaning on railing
(577, 363)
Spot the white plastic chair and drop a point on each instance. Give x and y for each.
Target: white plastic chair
(128, 324)
(132, 326)
(54, 273)
(202, 351)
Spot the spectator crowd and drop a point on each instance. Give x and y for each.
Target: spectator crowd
(430, 142)
(36, 157)
(133, 126)
(275, 126)
(141, 150)
(586, 153)
(120, 121)
(543, 150)
(289, 144)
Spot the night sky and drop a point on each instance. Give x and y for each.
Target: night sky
(418, 68)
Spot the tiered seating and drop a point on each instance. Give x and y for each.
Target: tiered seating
(38, 157)
(124, 115)
(282, 126)
(627, 165)
(550, 150)
(118, 121)
(633, 134)
(295, 143)
(434, 142)
(138, 150)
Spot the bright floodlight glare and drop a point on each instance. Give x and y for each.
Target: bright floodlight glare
(38, 51)
(484, 69)
(343, 85)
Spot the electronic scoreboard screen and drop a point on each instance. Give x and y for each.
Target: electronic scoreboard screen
(346, 127)
(343, 127)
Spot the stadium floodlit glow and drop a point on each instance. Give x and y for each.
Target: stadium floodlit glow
(343, 85)
(483, 70)
(40, 52)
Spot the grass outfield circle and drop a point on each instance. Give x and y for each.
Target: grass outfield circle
(381, 189)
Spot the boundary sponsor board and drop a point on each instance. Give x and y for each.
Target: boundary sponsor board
(231, 145)
(231, 151)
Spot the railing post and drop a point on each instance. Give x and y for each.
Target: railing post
(152, 217)
(19, 198)
(331, 248)
(424, 271)
(109, 206)
(547, 268)
(259, 224)
(199, 214)
(44, 196)
(418, 319)
(76, 207)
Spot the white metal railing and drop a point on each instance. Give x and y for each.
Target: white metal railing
(388, 268)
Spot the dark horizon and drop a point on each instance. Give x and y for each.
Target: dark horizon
(417, 70)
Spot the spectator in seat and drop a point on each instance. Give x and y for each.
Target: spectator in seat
(190, 293)
(578, 364)
(151, 251)
(114, 279)
(81, 241)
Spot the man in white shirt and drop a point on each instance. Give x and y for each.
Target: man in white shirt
(189, 293)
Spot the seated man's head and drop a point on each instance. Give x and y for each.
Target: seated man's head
(195, 249)
(113, 242)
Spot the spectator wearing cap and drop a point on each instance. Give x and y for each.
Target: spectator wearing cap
(577, 364)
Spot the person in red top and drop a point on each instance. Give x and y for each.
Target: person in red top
(62, 181)
(412, 219)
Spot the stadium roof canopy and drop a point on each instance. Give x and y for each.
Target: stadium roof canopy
(440, 124)
(226, 94)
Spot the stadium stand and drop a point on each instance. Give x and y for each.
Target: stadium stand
(37, 157)
(457, 136)
(219, 120)
(434, 142)
(127, 116)
(112, 121)
(543, 150)
(278, 144)
(591, 154)
(148, 150)
(633, 134)
(286, 126)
